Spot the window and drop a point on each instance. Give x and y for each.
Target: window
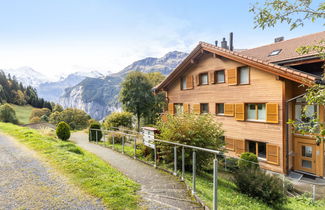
(204, 108)
(183, 83)
(305, 113)
(256, 112)
(204, 79)
(243, 73)
(220, 109)
(258, 148)
(178, 108)
(220, 76)
(275, 52)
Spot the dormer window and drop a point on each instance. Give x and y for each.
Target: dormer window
(275, 52)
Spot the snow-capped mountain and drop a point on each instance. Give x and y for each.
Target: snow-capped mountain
(27, 76)
(99, 96)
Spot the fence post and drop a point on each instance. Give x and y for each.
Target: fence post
(123, 144)
(225, 163)
(103, 131)
(194, 172)
(135, 147)
(183, 163)
(283, 184)
(215, 184)
(314, 193)
(96, 136)
(175, 160)
(155, 151)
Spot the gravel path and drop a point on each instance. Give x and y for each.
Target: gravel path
(26, 182)
(159, 190)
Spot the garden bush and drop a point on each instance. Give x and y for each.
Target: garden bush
(190, 129)
(231, 164)
(39, 113)
(118, 119)
(35, 120)
(95, 135)
(117, 138)
(8, 114)
(258, 184)
(63, 131)
(248, 160)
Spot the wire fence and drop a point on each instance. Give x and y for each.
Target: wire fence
(199, 168)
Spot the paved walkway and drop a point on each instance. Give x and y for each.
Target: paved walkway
(159, 190)
(26, 182)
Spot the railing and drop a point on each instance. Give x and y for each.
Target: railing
(135, 137)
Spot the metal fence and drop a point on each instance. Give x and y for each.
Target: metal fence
(127, 142)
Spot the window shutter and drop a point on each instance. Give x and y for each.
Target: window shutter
(240, 112)
(229, 109)
(171, 108)
(197, 109)
(229, 143)
(239, 146)
(212, 77)
(197, 79)
(272, 154)
(189, 82)
(272, 113)
(186, 108)
(232, 76)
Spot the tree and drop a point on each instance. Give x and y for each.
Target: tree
(55, 118)
(39, 113)
(8, 114)
(295, 14)
(57, 108)
(136, 94)
(118, 119)
(159, 99)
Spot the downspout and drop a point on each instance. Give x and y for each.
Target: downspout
(287, 128)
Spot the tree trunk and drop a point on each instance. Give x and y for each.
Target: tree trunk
(138, 115)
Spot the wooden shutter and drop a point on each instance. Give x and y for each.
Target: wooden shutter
(272, 154)
(239, 146)
(229, 143)
(229, 109)
(232, 76)
(197, 109)
(186, 108)
(240, 111)
(272, 113)
(212, 77)
(189, 82)
(197, 79)
(171, 108)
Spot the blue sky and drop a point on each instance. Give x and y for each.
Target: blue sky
(61, 36)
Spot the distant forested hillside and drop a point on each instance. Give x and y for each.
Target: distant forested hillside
(13, 92)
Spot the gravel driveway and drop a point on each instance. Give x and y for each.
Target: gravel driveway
(26, 182)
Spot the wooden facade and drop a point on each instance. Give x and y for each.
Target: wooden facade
(264, 91)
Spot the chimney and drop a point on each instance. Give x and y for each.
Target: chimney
(216, 42)
(224, 44)
(278, 39)
(231, 41)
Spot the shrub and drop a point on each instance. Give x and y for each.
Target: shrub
(248, 160)
(44, 118)
(93, 134)
(76, 118)
(39, 113)
(55, 117)
(231, 164)
(8, 114)
(119, 119)
(63, 131)
(256, 183)
(117, 138)
(190, 129)
(35, 120)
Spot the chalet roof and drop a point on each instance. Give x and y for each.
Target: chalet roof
(287, 49)
(285, 72)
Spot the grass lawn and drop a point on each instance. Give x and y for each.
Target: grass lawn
(228, 196)
(84, 169)
(23, 113)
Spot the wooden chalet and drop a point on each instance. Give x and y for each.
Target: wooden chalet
(254, 93)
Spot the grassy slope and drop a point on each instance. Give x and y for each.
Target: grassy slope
(83, 168)
(228, 196)
(22, 113)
